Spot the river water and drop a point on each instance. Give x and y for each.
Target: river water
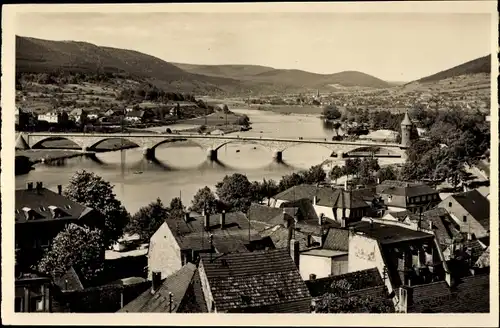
(183, 169)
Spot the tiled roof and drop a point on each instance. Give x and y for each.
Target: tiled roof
(407, 189)
(69, 281)
(298, 192)
(279, 236)
(38, 203)
(177, 284)
(305, 208)
(476, 205)
(470, 295)
(265, 280)
(388, 233)
(262, 213)
(337, 239)
(339, 198)
(444, 226)
(349, 282)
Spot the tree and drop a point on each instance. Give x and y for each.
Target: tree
(315, 174)
(336, 172)
(176, 208)
(205, 199)
(91, 190)
(79, 247)
(367, 168)
(267, 189)
(148, 219)
(290, 180)
(331, 112)
(354, 304)
(235, 191)
(387, 173)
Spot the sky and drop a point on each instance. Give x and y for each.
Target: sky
(390, 46)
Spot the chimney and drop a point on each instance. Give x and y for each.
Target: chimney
(309, 241)
(187, 217)
(405, 298)
(222, 219)
(30, 185)
(431, 226)
(156, 281)
(312, 276)
(207, 220)
(315, 199)
(469, 236)
(39, 186)
(294, 251)
(343, 223)
(59, 189)
(320, 219)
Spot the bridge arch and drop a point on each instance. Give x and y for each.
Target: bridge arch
(39, 144)
(175, 139)
(244, 141)
(131, 143)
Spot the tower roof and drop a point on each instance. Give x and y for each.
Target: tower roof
(406, 120)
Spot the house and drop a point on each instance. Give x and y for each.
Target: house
(338, 204)
(32, 292)
(41, 214)
(470, 210)
(303, 191)
(401, 196)
(55, 117)
(109, 112)
(169, 295)
(181, 240)
(258, 282)
(403, 256)
(135, 116)
(76, 114)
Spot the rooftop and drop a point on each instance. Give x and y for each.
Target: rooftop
(476, 205)
(159, 302)
(388, 234)
(339, 198)
(298, 192)
(265, 281)
(402, 188)
(337, 239)
(42, 204)
(444, 226)
(323, 252)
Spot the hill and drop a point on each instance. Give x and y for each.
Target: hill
(476, 66)
(290, 77)
(42, 56)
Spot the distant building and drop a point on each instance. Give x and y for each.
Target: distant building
(471, 211)
(259, 282)
(407, 196)
(41, 214)
(76, 114)
(181, 240)
(135, 116)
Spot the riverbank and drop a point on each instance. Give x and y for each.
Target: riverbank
(287, 110)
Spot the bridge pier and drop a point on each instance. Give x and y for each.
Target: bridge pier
(278, 156)
(149, 153)
(85, 149)
(212, 155)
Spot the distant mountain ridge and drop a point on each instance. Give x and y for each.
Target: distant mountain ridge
(475, 66)
(43, 56)
(292, 77)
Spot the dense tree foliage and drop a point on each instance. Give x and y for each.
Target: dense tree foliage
(149, 92)
(235, 191)
(330, 112)
(148, 219)
(264, 190)
(91, 190)
(205, 200)
(79, 247)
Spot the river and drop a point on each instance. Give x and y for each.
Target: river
(139, 182)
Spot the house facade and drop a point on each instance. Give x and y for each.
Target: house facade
(407, 196)
(470, 210)
(33, 292)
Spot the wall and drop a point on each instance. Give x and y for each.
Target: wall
(340, 265)
(164, 254)
(457, 212)
(321, 266)
(364, 253)
(205, 286)
(325, 210)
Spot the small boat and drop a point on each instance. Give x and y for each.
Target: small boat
(237, 150)
(254, 147)
(137, 172)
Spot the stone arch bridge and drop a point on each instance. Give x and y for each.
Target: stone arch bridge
(212, 143)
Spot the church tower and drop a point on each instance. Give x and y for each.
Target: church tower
(406, 126)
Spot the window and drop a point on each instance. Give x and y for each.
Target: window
(449, 204)
(36, 304)
(465, 218)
